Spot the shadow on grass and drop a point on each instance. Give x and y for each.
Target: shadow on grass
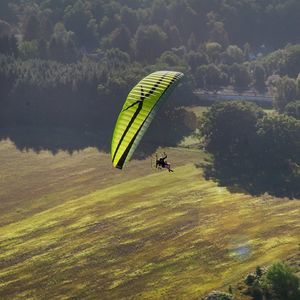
(278, 179)
(55, 139)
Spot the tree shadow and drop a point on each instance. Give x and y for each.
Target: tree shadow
(55, 139)
(162, 133)
(254, 178)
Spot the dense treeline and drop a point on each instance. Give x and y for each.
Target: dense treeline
(70, 63)
(85, 95)
(136, 25)
(214, 39)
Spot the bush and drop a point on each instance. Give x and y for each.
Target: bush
(293, 109)
(258, 271)
(284, 283)
(250, 278)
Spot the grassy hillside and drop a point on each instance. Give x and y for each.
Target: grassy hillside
(74, 227)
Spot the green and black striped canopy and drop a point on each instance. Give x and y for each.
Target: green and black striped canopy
(138, 111)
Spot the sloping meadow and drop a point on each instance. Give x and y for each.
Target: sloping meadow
(74, 227)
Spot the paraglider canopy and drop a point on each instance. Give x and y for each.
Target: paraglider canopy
(138, 111)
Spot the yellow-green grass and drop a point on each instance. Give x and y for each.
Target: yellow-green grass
(72, 227)
(269, 111)
(197, 110)
(193, 139)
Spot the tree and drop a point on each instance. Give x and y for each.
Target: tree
(200, 76)
(210, 76)
(31, 29)
(171, 59)
(278, 157)
(286, 91)
(293, 109)
(229, 129)
(76, 19)
(158, 12)
(196, 59)
(280, 135)
(119, 38)
(62, 46)
(214, 76)
(258, 271)
(213, 51)
(291, 65)
(240, 76)
(283, 281)
(150, 43)
(115, 58)
(174, 38)
(192, 43)
(29, 49)
(246, 51)
(233, 54)
(217, 30)
(129, 18)
(259, 75)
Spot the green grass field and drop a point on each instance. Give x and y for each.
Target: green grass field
(72, 227)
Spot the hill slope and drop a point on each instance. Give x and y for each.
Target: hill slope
(74, 227)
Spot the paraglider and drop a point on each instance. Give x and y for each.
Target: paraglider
(161, 163)
(138, 111)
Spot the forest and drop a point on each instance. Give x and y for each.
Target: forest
(83, 55)
(69, 64)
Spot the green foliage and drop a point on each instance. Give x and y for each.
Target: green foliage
(210, 76)
(240, 76)
(257, 291)
(286, 91)
(31, 28)
(66, 31)
(171, 59)
(278, 282)
(258, 271)
(259, 76)
(250, 278)
(93, 48)
(234, 55)
(196, 59)
(283, 61)
(28, 49)
(213, 51)
(119, 38)
(151, 41)
(291, 65)
(284, 283)
(293, 109)
(258, 152)
(229, 128)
